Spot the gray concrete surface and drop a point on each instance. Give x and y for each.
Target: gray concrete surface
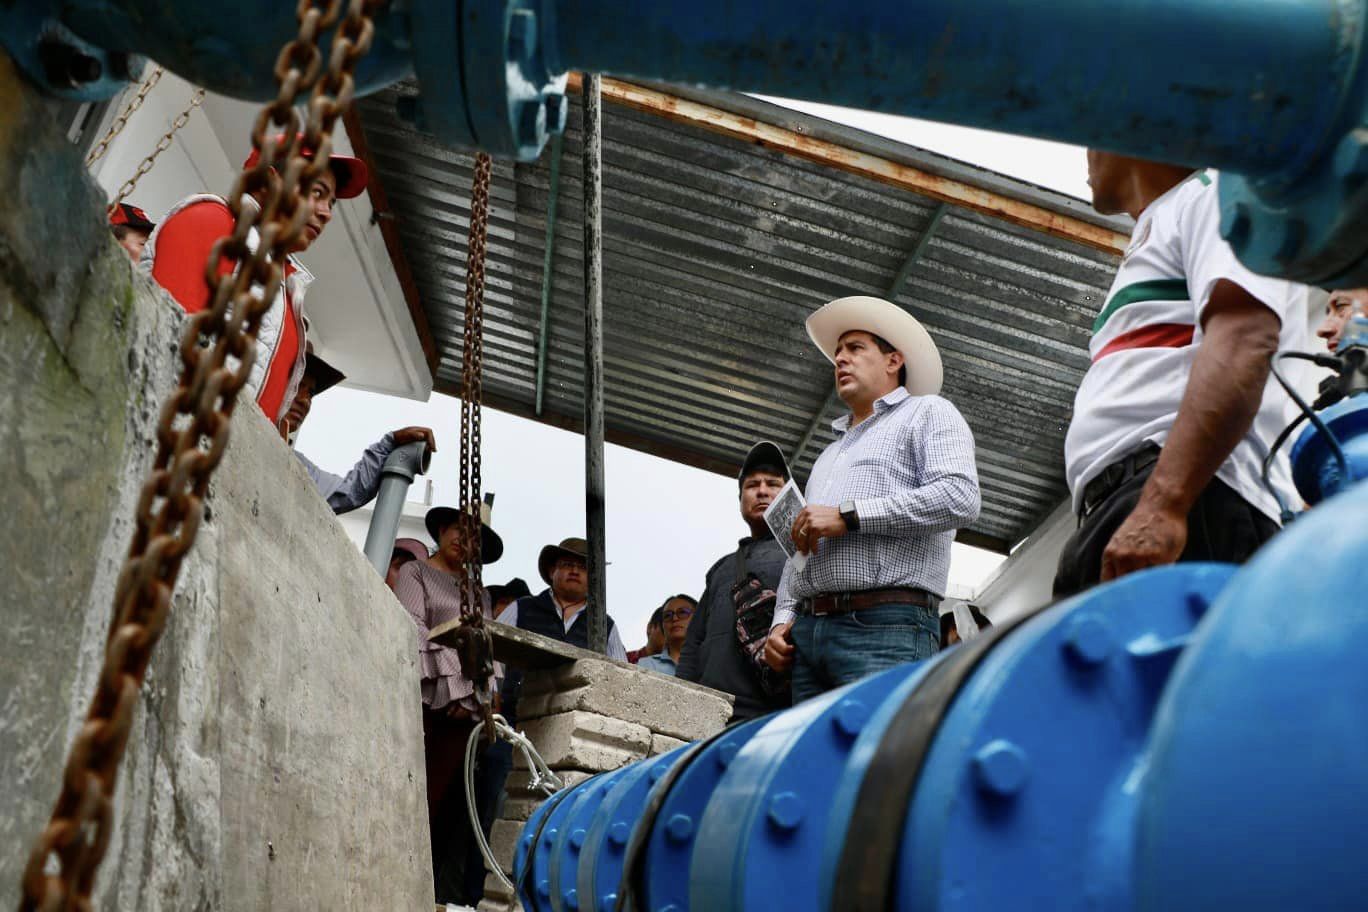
(275, 760)
(659, 702)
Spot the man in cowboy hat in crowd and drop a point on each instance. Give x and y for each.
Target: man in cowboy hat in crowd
(883, 503)
(131, 228)
(712, 654)
(558, 611)
(177, 251)
(359, 486)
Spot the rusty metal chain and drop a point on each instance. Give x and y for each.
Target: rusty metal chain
(162, 145)
(474, 645)
(472, 372)
(115, 128)
(217, 348)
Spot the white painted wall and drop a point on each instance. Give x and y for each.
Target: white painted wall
(359, 319)
(357, 523)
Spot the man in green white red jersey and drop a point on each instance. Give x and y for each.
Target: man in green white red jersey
(1178, 409)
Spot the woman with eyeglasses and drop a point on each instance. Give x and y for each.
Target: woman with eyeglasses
(677, 611)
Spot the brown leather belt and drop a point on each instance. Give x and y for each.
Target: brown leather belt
(846, 602)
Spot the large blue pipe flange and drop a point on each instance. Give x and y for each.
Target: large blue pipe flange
(1315, 470)
(535, 841)
(485, 77)
(570, 840)
(604, 856)
(1026, 797)
(1257, 783)
(771, 810)
(678, 802)
(482, 65)
(538, 879)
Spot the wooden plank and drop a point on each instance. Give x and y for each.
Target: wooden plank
(895, 174)
(519, 648)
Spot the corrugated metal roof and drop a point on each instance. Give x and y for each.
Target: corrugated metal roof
(715, 250)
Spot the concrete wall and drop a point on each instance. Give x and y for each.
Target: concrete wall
(275, 760)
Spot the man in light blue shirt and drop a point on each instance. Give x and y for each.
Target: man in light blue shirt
(359, 486)
(883, 503)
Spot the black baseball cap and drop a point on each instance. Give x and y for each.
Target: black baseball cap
(762, 454)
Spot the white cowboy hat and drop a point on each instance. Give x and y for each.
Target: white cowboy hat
(891, 323)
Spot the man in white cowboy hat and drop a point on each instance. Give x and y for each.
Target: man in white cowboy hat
(884, 501)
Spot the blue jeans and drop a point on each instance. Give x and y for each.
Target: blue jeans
(835, 650)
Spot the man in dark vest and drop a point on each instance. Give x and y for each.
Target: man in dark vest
(558, 612)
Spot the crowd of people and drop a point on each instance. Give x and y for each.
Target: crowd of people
(1162, 459)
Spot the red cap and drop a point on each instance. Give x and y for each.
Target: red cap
(351, 173)
(132, 216)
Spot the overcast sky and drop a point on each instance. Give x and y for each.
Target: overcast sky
(667, 523)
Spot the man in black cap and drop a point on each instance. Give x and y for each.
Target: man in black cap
(359, 486)
(746, 579)
(131, 228)
(558, 611)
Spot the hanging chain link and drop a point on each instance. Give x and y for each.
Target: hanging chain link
(121, 121)
(162, 145)
(473, 642)
(216, 349)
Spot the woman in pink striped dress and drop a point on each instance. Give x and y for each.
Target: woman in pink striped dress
(429, 591)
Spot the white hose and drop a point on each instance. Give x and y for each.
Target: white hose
(542, 778)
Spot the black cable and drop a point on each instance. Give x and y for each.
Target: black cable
(1284, 511)
(1331, 440)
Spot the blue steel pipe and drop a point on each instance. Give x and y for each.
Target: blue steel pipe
(1254, 87)
(1272, 92)
(1187, 738)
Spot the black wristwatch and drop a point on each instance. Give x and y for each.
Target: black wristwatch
(852, 519)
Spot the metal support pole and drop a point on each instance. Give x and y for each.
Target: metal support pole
(593, 363)
(544, 328)
(401, 466)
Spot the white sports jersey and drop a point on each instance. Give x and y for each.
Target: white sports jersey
(1147, 333)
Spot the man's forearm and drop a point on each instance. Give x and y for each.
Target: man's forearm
(1223, 394)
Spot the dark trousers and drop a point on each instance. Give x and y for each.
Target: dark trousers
(453, 843)
(1222, 526)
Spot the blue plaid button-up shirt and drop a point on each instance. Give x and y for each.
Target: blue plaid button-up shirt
(909, 468)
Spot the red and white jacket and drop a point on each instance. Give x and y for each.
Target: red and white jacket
(174, 258)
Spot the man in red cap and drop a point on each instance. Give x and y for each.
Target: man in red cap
(131, 228)
(177, 250)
